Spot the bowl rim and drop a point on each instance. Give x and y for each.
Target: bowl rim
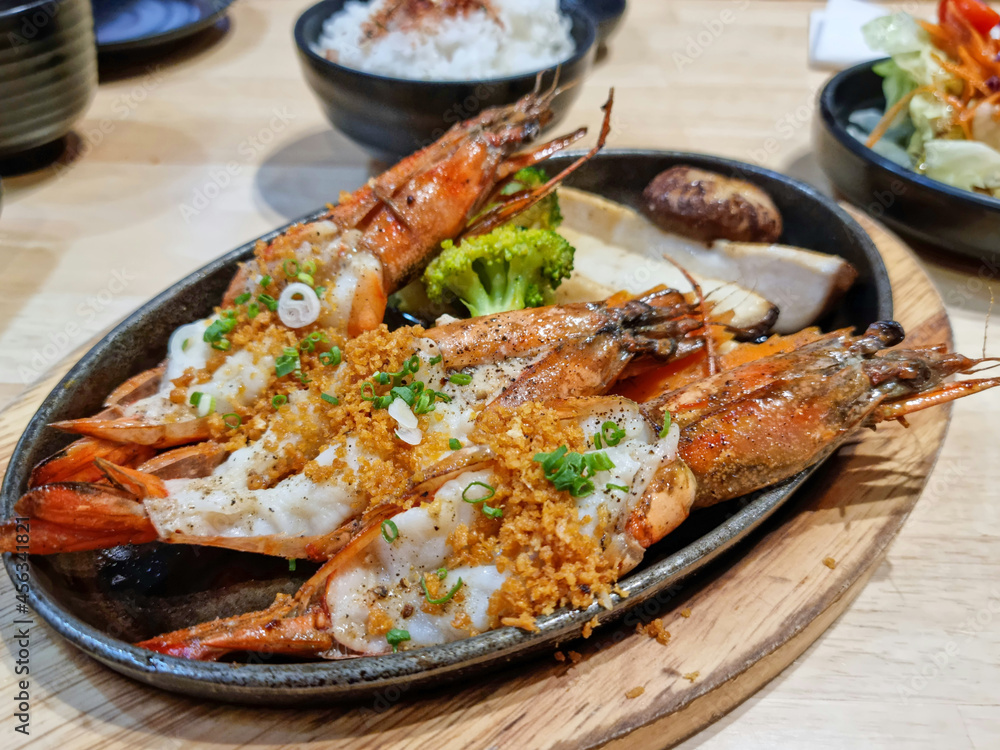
(859, 149)
(26, 5)
(573, 10)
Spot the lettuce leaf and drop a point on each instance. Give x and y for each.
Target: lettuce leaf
(896, 82)
(930, 117)
(909, 46)
(963, 164)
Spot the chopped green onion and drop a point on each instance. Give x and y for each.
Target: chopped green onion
(253, 310)
(320, 291)
(291, 564)
(666, 424)
(222, 345)
(446, 598)
(309, 265)
(597, 441)
(489, 489)
(404, 393)
(492, 512)
(331, 358)
(435, 360)
(265, 280)
(370, 394)
(397, 636)
(218, 329)
(302, 377)
(329, 399)
(442, 396)
(460, 378)
(454, 444)
(412, 365)
(291, 268)
(382, 378)
(306, 279)
(382, 402)
(286, 363)
(206, 405)
(612, 433)
(549, 461)
(268, 301)
(232, 420)
(278, 401)
(597, 461)
(571, 471)
(390, 532)
(242, 298)
(621, 487)
(442, 573)
(185, 345)
(195, 398)
(425, 403)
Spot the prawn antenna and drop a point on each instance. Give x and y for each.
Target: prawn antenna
(706, 331)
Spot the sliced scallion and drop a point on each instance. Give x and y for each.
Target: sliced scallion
(390, 532)
(397, 636)
(489, 490)
(440, 600)
(612, 433)
(666, 424)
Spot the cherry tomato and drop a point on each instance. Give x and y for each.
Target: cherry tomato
(979, 15)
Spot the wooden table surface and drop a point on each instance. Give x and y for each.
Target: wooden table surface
(915, 661)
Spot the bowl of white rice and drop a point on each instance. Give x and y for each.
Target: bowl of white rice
(394, 75)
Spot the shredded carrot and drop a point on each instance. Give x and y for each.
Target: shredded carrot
(974, 61)
(892, 113)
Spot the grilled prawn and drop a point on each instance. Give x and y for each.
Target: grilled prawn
(330, 276)
(565, 497)
(367, 425)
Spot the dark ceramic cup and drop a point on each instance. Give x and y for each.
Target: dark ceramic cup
(48, 71)
(393, 117)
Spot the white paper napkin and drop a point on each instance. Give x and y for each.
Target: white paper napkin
(835, 39)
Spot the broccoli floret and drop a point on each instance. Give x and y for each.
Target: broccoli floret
(543, 215)
(508, 269)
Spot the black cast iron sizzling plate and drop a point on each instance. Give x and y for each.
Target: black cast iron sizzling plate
(102, 601)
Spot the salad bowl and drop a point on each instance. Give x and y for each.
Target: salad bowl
(914, 205)
(913, 138)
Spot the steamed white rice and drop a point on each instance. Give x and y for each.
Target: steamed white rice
(535, 35)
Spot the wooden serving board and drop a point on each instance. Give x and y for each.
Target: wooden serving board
(732, 629)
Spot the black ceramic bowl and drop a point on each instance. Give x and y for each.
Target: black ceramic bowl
(101, 602)
(48, 71)
(913, 205)
(393, 117)
(607, 14)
